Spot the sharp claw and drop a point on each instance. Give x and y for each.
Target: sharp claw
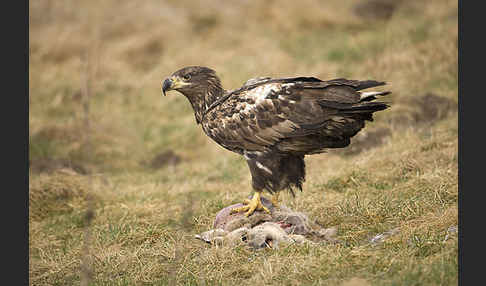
(251, 205)
(251, 209)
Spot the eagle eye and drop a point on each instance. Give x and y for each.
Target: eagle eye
(187, 77)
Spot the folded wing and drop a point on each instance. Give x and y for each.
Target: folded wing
(299, 115)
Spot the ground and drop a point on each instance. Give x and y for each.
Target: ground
(121, 178)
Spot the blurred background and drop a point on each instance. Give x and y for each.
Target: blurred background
(121, 178)
(95, 67)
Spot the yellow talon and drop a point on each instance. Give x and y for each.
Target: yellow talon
(251, 205)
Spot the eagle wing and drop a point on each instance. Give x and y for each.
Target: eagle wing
(291, 114)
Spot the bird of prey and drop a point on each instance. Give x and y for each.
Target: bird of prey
(275, 122)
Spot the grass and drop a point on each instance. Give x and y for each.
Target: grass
(112, 55)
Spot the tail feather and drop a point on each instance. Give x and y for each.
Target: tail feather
(357, 84)
(371, 95)
(364, 84)
(365, 107)
(360, 107)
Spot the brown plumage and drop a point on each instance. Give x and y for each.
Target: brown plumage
(274, 123)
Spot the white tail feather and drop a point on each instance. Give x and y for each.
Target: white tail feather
(367, 94)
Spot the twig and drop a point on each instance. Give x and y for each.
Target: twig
(86, 260)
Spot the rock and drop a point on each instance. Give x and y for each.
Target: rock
(450, 231)
(382, 236)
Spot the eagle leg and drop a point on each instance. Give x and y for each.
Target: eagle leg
(275, 200)
(251, 205)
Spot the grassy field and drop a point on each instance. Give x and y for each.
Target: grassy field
(121, 178)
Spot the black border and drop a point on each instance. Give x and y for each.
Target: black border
(15, 136)
(16, 91)
(470, 111)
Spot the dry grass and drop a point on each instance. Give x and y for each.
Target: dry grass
(148, 205)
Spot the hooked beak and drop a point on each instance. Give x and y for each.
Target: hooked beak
(173, 83)
(167, 85)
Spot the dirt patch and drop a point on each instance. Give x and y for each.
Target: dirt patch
(431, 107)
(49, 165)
(167, 158)
(376, 9)
(203, 24)
(47, 150)
(425, 109)
(57, 133)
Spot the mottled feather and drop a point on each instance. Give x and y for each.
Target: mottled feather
(274, 123)
(285, 109)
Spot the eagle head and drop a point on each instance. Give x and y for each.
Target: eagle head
(199, 85)
(191, 81)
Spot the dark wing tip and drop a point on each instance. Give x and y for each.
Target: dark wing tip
(369, 83)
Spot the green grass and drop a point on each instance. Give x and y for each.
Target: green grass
(142, 232)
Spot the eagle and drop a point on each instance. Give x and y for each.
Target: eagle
(275, 122)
